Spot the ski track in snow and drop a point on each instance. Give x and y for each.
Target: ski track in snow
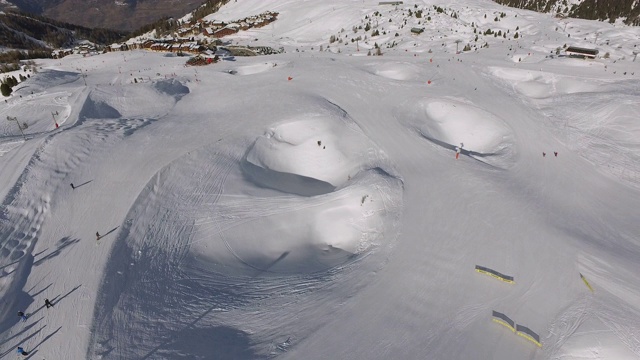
(162, 252)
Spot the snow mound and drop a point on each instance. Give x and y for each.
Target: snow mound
(334, 184)
(171, 87)
(455, 122)
(527, 57)
(396, 70)
(141, 100)
(540, 85)
(449, 122)
(297, 235)
(212, 238)
(97, 108)
(253, 68)
(307, 156)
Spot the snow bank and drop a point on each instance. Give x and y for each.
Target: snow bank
(539, 85)
(171, 87)
(96, 107)
(449, 122)
(396, 70)
(133, 100)
(296, 235)
(315, 146)
(455, 122)
(253, 68)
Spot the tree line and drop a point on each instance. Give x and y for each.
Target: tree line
(603, 10)
(167, 25)
(56, 33)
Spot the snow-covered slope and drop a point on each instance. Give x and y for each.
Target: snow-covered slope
(309, 205)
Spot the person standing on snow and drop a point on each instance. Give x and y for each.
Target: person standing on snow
(47, 303)
(22, 316)
(458, 150)
(21, 351)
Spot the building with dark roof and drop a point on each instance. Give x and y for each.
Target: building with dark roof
(575, 51)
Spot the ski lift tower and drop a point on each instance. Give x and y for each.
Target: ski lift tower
(13, 118)
(458, 41)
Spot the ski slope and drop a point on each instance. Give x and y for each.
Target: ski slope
(309, 205)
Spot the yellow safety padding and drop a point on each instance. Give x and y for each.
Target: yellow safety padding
(528, 337)
(496, 276)
(504, 323)
(586, 282)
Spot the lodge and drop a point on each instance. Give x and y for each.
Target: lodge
(574, 51)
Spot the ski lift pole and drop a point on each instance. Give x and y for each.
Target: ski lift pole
(10, 118)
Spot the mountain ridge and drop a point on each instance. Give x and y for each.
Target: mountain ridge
(121, 15)
(603, 10)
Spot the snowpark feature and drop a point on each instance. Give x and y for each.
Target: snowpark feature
(254, 68)
(326, 217)
(449, 122)
(398, 71)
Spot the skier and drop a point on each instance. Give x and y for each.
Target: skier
(73, 187)
(21, 351)
(458, 150)
(97, 236)
(22, 316)
(47, 303)
(544, 154)
(555, 153)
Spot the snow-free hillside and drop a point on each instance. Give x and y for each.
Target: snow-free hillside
(309, 205)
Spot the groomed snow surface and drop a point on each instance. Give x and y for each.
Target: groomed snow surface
(309, 205)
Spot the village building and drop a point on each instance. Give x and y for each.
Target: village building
(185, 42)
(574, 51)
(118, 47)
(227, 30)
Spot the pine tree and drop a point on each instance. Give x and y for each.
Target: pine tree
(5, 89)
